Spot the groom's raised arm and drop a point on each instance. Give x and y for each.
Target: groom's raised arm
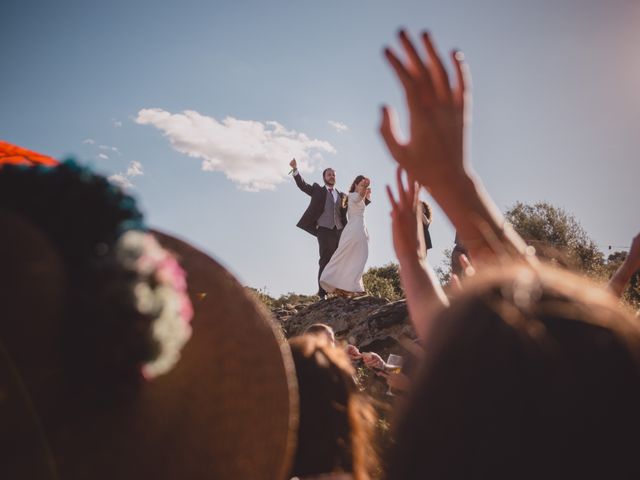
(302, 185)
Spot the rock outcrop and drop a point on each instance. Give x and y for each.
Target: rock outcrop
(370, 323)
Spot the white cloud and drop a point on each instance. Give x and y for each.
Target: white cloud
(116, 123)
(338, 126)
(135, 169)
(252, 154)
(89, 141)
(102, 156)
(109, 147)
(120, 180)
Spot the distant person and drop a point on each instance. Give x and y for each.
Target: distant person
(458, 250)
(325, 217)
(336, 421)
(629, 266)
(343, 274)
(427, 216)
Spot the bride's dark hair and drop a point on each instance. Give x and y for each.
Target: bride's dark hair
(358, 179)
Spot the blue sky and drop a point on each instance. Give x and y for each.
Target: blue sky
(555, 116)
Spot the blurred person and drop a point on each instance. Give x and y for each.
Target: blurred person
(106, 365)
(532, 372)
(329, 333)
(336, 421)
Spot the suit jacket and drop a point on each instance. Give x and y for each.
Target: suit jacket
(313, 212)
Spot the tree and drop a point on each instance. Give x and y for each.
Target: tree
(383, 282)
(556, 235)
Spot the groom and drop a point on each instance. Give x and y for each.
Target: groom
(325, 216)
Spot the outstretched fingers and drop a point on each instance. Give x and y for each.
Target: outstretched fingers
(438, 72)
(392, 200)
(403, 195)
(407, 80)
(462, 77)
(387, 131)
(418, 67)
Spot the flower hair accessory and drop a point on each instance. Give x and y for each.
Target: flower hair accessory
(127, 312)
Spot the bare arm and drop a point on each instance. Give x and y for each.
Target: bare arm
(631, 264)
(425, 297)
(435, 153)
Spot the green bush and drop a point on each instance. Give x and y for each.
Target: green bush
(383, 282)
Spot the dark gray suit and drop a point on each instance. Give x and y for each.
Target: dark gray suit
(328, 238)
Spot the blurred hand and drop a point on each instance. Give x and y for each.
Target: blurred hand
(434, 153)
(373, 360)
(405, 220)
(353, 352)
(362, 187)
(293, 164)
(397, 381)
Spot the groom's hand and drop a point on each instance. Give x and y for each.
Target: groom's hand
(293, 164)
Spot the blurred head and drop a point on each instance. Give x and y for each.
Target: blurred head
(335, 420)
(356, 182)
(102, 375)
(329, 177)
(526, 373)
(324, 330)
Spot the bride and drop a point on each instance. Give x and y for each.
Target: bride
(343, 273)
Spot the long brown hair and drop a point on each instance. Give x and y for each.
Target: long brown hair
(530, 371)
(336, 421)
(358, 179)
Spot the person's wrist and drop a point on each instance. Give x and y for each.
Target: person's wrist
(457, 183)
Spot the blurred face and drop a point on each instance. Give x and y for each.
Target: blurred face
(330, 177)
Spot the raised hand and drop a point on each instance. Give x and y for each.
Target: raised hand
(363, 186)
(618, 282)
(372, 360)
(405, 220)
(434, 153)
(634, 253)
(293, 164)
(353, 352)
(435, 156)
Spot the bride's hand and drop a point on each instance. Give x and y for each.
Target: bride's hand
(362, 187)
(405, 219)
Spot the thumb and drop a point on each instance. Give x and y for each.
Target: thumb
(387, 129)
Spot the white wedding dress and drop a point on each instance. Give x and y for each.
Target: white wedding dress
(345, 269)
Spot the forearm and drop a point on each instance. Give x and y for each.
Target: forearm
(478, 221)
(423, 293)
